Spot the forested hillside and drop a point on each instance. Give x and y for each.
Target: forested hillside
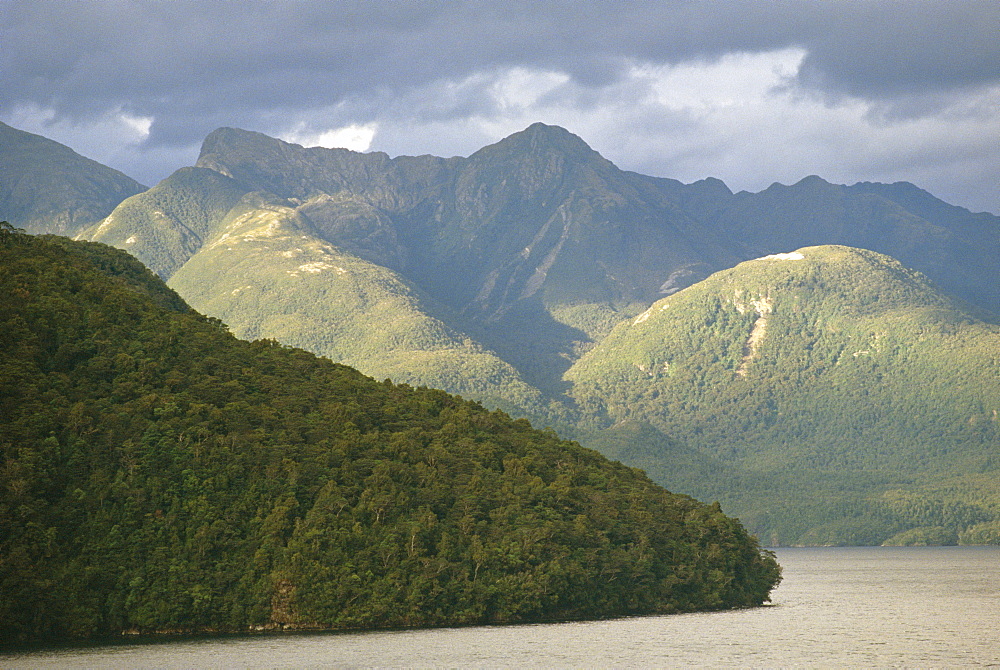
(159, 475)
(825, 395)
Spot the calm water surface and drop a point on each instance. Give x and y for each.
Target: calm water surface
(846, 607)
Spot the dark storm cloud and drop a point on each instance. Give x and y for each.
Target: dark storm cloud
(424, 72)
(192, 65)
(884, 50)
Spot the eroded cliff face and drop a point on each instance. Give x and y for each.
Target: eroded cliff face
(762, 307)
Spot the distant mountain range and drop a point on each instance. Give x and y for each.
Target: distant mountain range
(823, 399)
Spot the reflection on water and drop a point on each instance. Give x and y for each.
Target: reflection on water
(857, 606)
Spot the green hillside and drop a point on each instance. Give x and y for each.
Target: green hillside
(266, 274)
(816, 382)
(158, 474)
(46, 187)
(166, 225)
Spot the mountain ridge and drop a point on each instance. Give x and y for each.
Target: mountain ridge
(498, 275)
(46, 187)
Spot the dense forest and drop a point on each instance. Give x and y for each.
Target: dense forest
(159, 475)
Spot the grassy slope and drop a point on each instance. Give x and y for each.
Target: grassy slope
(267, 275)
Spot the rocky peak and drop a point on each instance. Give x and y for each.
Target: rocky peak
(537, 140)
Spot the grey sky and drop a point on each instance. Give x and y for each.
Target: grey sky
(751, 92)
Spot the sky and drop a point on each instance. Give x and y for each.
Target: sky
(749, 91)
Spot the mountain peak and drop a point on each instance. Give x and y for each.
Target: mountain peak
(544, 130)
(543, 138)
(224, 141)
(812, 181)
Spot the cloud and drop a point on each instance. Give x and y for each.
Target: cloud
(354, 137)
(887, 50)
(107, 138)
(740, 118)
(749, 91)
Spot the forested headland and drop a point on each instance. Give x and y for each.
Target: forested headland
(159, 475)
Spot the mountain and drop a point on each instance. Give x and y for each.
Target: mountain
(267, 274)
(952, 246)
(46, 187)
(160, 476)
(808, 392)
(500, 276)
(537, 242)
(534, 247)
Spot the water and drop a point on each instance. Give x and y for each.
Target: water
(844, 607)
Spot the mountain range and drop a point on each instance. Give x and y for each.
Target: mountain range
(826, 399)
